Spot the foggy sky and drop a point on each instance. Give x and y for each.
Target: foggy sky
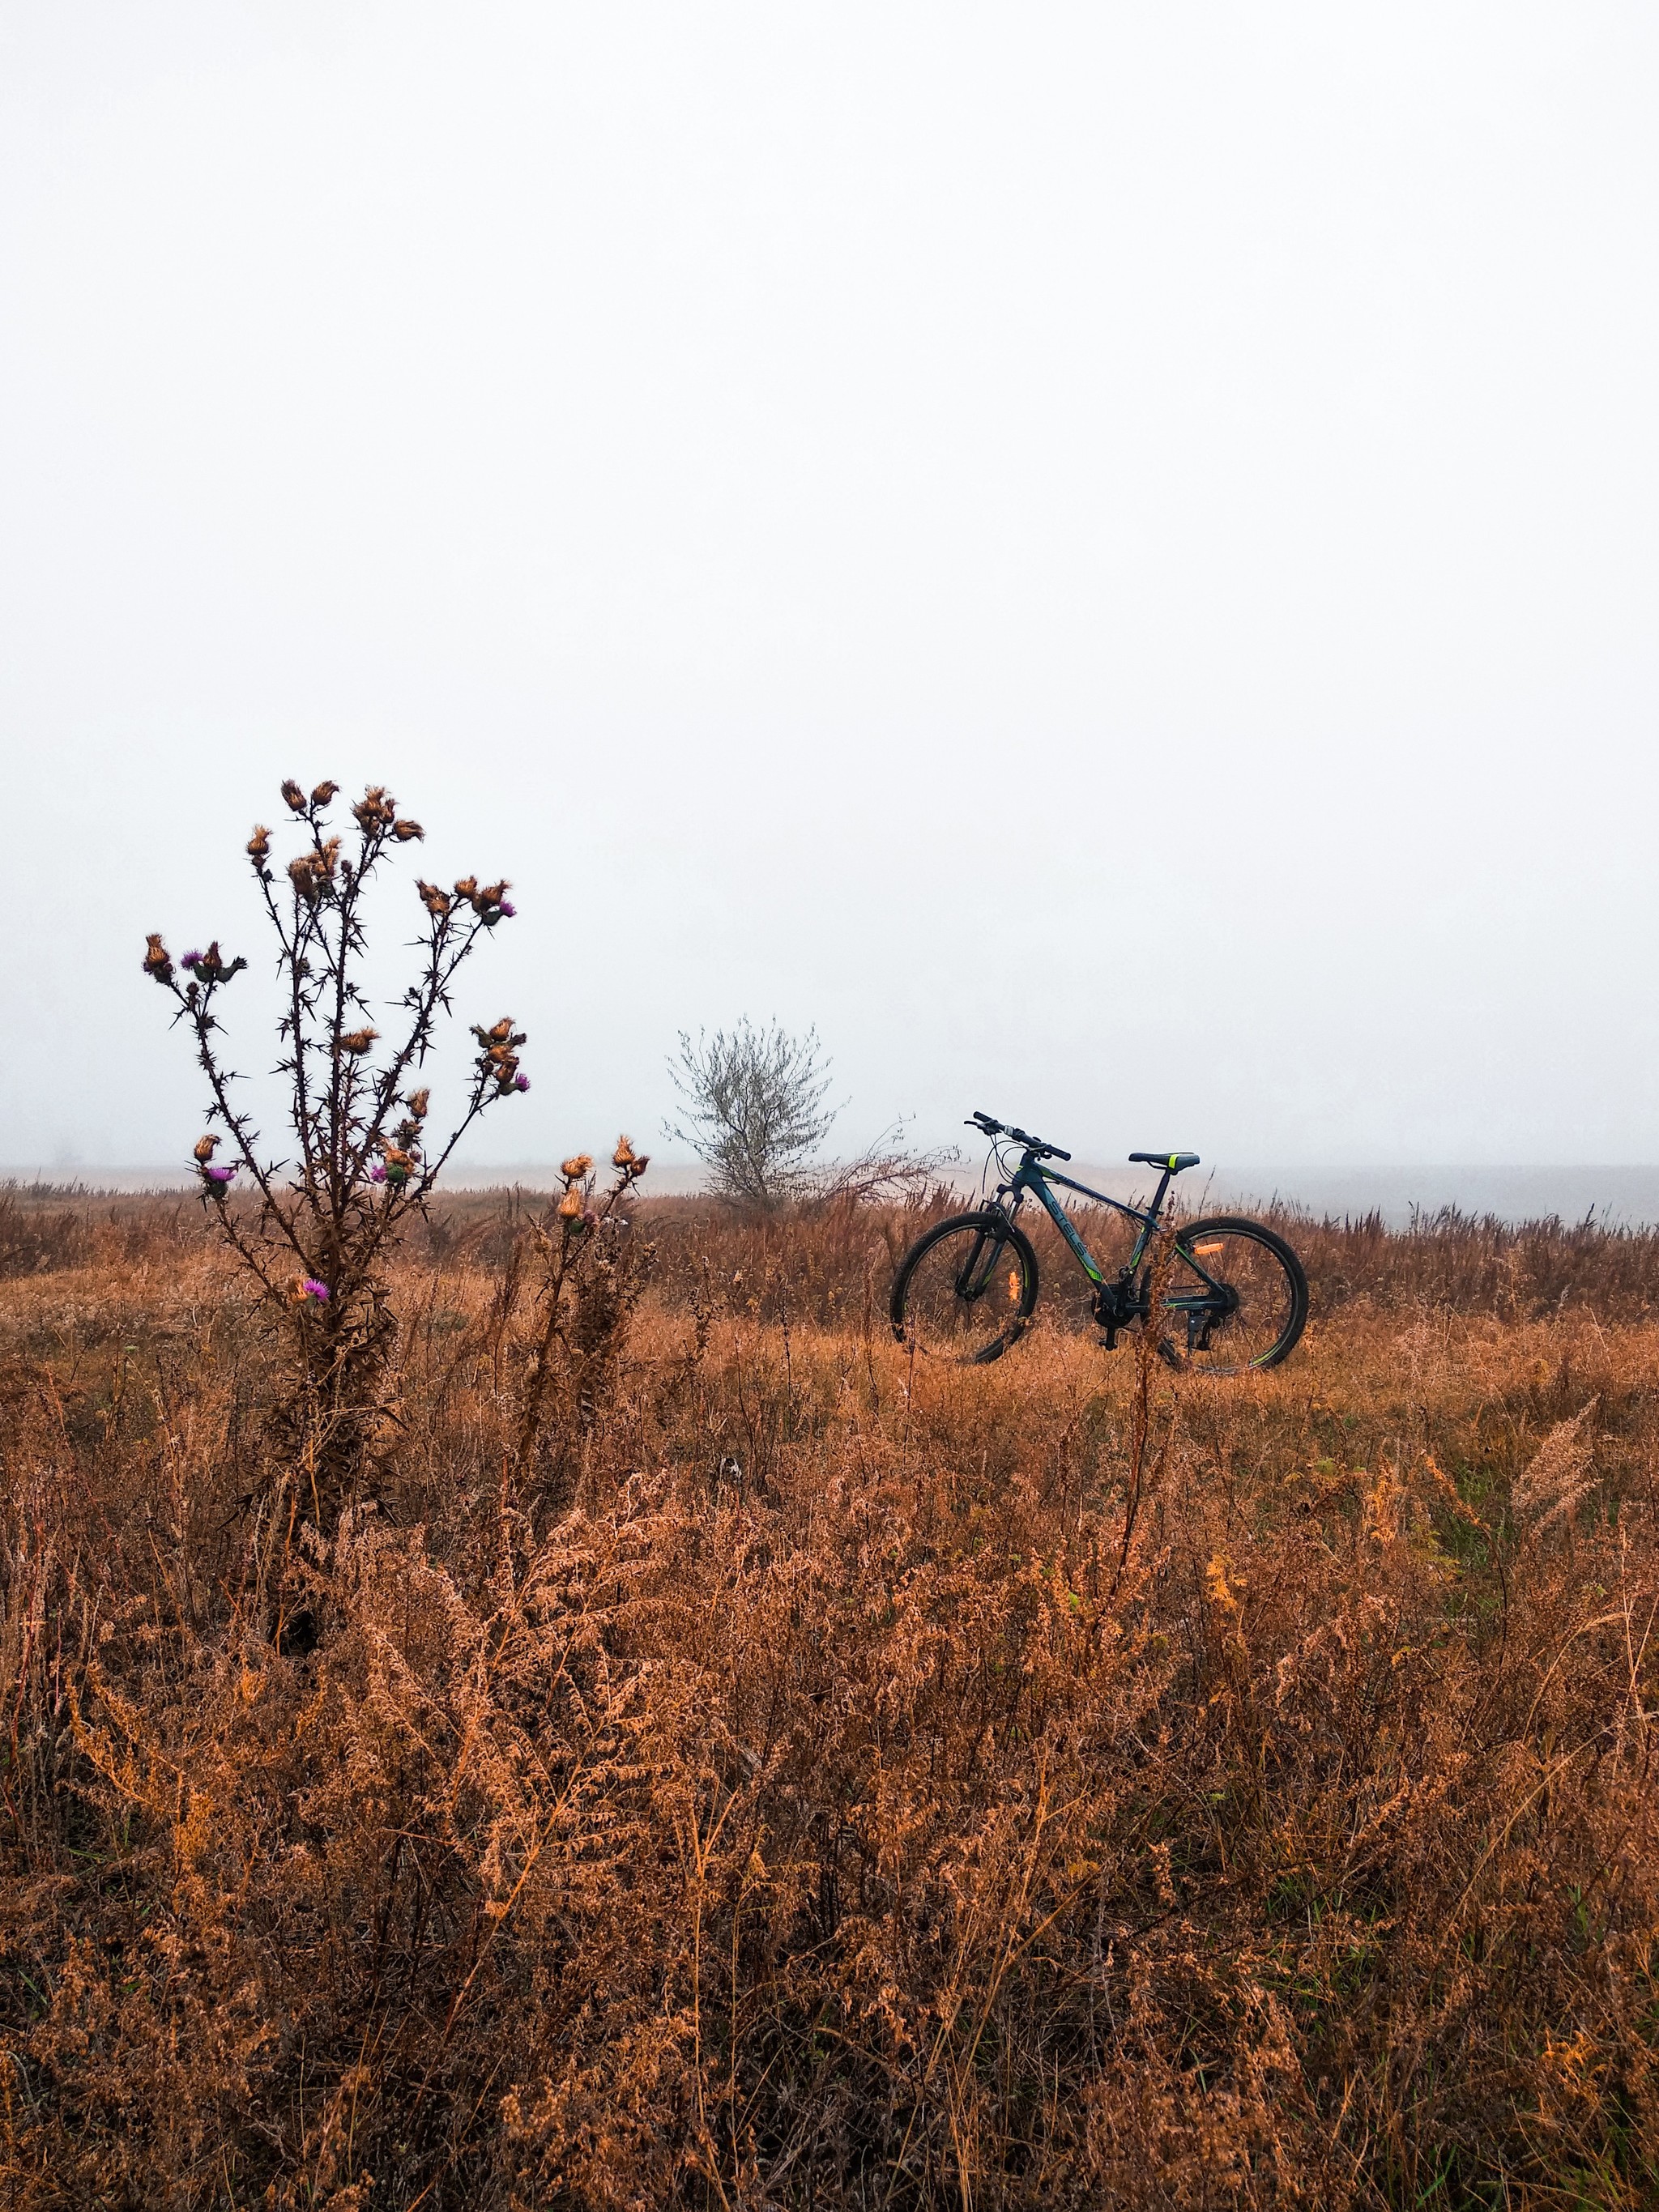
(1105, 555)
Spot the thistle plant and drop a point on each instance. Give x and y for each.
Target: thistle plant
(589, 1279)
(326, 1218)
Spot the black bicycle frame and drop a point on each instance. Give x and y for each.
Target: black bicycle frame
(1031, 1175)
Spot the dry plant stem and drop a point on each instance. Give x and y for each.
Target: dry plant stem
(565, 1242)
(1149, 1367)
(356, 1178)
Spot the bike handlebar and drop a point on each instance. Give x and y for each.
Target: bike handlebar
(994, 1128)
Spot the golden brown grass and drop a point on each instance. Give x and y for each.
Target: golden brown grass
(799, 1780)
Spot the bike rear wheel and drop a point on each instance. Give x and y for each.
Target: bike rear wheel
(1237, 1298)
(964, 1291)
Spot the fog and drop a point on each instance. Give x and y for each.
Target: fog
(1104, 555)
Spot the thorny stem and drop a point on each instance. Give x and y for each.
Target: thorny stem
(337, 1211)
(561, 1260)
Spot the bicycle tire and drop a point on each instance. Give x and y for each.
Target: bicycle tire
(925, 1317)
(1283, 1303)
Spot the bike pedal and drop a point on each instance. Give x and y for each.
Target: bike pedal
(1109, 1342)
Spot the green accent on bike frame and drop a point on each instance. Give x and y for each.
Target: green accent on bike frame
(1033, 1176)
(1174, 1157)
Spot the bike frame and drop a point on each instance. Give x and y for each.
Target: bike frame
(1031, 1175)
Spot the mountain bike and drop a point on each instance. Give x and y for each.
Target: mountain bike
(1230, 1294)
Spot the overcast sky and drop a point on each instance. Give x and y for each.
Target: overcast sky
(1106, 555)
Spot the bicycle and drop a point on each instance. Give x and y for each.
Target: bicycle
(1234, 1295)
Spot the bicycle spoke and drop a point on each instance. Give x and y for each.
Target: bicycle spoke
(964, 1292)
(1235, 1299)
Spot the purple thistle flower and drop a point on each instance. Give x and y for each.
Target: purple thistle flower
(508, 908)
(313, 1289)
(521, 1082)
(191, 960)
(377, 1173)
(219, 1175)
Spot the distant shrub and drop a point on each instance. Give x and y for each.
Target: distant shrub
(754, 1114)
(753, 1109)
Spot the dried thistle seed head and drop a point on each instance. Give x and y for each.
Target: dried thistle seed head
(466, 887)
(259, 845)
(433, 900)
(576, 1166)
(294, 795)
(213, 964)
(358, 1041)
(501, 1029)
(623, 1155)
(403, 831)
(156, 962)
(303, 878)
(417, 1102)
(375, 809)
(637, 1166)
(570, 1205)
(493, 894)
(323, 793)
(205, 1148)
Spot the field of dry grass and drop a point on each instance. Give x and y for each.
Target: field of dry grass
(795, 1779)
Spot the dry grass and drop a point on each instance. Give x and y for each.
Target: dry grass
(801, 1781)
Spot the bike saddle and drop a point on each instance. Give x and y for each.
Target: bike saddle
(1175, 1161)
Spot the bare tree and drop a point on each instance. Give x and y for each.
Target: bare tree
(753, 1111)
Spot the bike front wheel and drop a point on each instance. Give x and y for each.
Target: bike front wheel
(1237, 1298)
(965, 1290)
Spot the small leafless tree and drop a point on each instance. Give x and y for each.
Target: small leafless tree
(755, 1114)
(753, 1111)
